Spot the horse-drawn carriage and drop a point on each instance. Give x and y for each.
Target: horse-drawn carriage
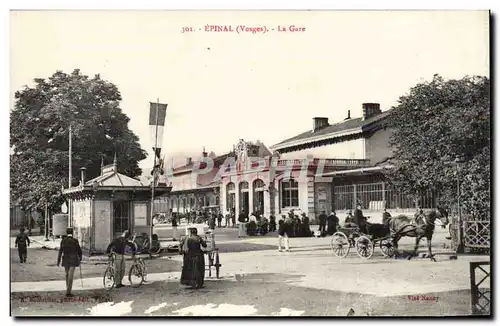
(351, 237)
(388, 234)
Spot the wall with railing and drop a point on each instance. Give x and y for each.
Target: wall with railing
(379, 196)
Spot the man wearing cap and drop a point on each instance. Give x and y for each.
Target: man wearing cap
(22, 244)
(71, 255)
(119, 246)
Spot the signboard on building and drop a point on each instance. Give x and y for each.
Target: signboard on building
(140, 214)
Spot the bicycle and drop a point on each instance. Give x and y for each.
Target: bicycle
(141, 243)
(109, 273)
(138, 269)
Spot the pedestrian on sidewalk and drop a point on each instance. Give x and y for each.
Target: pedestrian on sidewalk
(119, 246)
(219, 219)
(193, 267)
(283, 231)
(233, 218)
(228, 219)
(71, 258)
(272, 223)
(174, 227)
(322, 223)
(242, 220)
(332, 222)
(22, 244)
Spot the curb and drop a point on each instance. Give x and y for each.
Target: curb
(44, 245)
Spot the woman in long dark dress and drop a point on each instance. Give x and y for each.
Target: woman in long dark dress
(193, 269)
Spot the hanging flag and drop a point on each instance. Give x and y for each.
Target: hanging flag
(157, 115)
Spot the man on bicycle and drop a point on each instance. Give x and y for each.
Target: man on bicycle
(119, 247)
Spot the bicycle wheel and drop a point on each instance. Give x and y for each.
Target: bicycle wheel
(155, 247)
(109, 278)
(136, 275)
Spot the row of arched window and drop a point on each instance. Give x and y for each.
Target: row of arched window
(289, 193)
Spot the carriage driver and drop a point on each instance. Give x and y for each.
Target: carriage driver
(359, 219)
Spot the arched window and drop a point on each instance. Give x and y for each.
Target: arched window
(289, 193)
(258, 185)
(258, 196)
(243, 186)
(230, 197)
(244, 198)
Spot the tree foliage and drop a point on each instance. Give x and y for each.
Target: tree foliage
(39, 129)
(437, 122)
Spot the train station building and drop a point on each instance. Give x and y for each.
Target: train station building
(332, 166)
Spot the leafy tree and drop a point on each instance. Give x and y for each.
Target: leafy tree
(437, 122)
(39, 125)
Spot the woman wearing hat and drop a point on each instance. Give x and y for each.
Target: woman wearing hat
(71, 254)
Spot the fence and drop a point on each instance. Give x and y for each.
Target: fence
(377, 196)
(477, 234)
(480, 296)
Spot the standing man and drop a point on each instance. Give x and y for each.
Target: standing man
(306, 231)
(322, 222)
(22, 244)
(282, 234)
(233, 218)
(174, 227)
(71, 254)
(242, 219)
(219, 219)
(228, 219)
(119, 246)
(359, 219)
(333, 221)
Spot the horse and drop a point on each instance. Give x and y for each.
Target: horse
(415, 227)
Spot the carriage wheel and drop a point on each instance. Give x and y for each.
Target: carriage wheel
(387, 247)
(364, 247)
(136, 275)
(340, 244)
(109, 278)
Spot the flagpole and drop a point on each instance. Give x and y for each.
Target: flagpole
(154, 176)
(70, 215)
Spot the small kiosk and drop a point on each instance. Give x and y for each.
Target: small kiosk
(104, 207)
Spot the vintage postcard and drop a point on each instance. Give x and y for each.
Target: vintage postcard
(250, 163)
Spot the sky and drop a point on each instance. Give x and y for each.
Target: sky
(221, 87)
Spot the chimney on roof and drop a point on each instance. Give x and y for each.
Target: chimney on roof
(82, 173)
(348, 115)
(189, 160)
(370, 110)
(319, 123)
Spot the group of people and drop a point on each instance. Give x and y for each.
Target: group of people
(328, 224)
(292, 225)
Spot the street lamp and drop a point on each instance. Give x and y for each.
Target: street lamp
(459, 161)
